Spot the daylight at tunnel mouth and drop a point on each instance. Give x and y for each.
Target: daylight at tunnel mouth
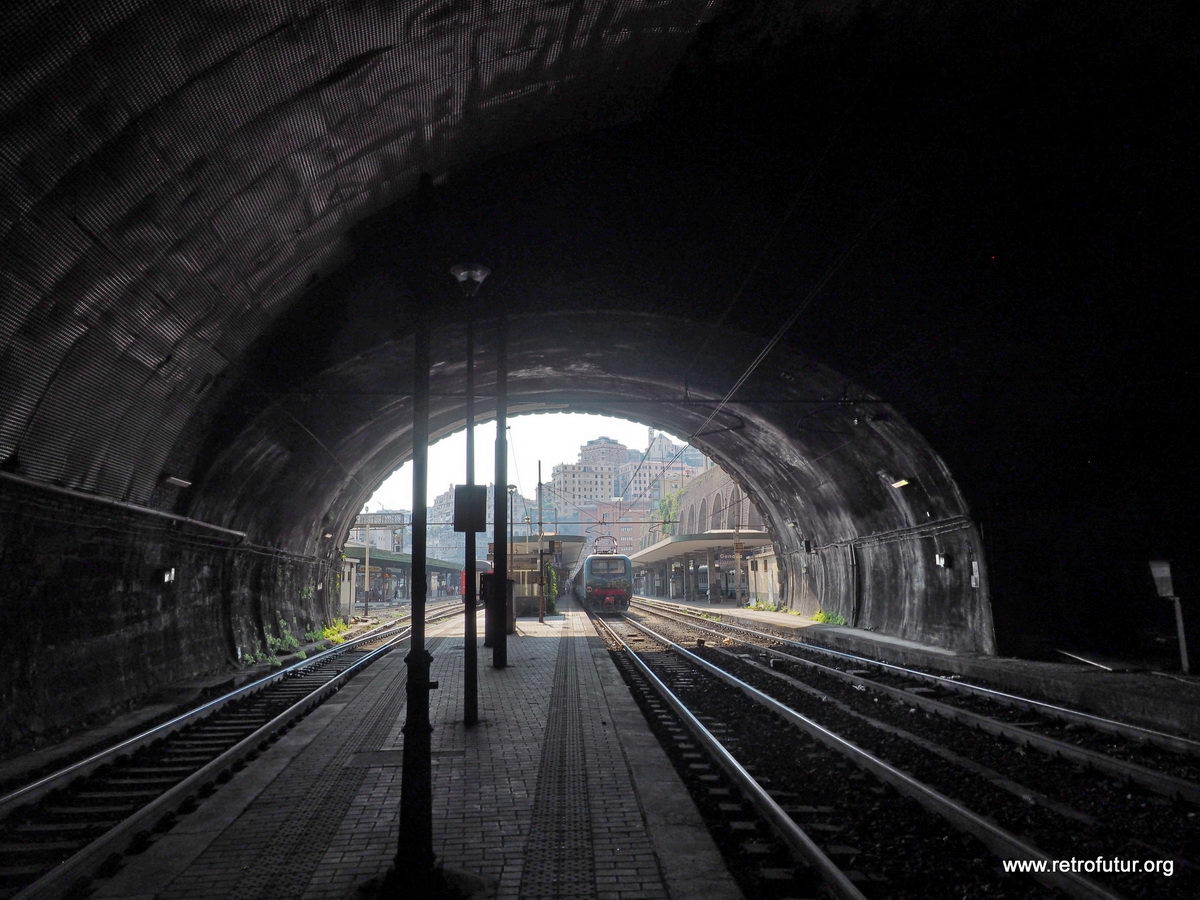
(901, 286)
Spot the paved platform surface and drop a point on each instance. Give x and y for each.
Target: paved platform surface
(560, 791)
(1164, 701)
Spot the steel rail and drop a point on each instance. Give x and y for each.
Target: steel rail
(1159, 782)
(1001, 842)
(1162, 739)
(35, 790)
(59, 882)
(802, 846)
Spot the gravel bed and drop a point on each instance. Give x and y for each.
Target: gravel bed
(1128, 818)
(917, 853)
(1126, 749)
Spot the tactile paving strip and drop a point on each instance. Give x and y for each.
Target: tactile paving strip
(559, 859)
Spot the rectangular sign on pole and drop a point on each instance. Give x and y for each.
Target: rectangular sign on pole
(470, 507)
(1160, 570)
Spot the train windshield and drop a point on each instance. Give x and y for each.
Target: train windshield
(613, 566)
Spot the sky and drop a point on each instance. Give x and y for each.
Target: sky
(550, 437)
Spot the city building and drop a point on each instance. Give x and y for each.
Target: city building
(607, 470)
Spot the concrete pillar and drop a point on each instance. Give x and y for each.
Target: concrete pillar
(711, 562)
(689, 578)
(664, 584)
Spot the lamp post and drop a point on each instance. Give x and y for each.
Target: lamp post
(470, 279)
(414, 860)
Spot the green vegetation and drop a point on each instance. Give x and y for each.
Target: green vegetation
(763, 605)
(550, 588)
(828, 618)
(336, 632)
(254, 656)
(668, 512)
(285, 640)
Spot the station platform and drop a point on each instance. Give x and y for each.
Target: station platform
(561, 790)
(1164, 701)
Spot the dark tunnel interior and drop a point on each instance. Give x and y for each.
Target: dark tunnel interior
(943, 243)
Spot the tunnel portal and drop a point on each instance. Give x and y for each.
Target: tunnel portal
(950, 236)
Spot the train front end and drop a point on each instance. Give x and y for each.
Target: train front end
(608, 582)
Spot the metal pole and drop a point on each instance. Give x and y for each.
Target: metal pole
(470, 651)
(500, 561)
(737, 554)
(1183, 650)
(414, 863)
(541, 566)
(367, 575)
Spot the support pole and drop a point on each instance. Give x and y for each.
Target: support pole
(500, 511)
(710, 560)
(1179, 629)
(541, 579)
(470, 651)
(414, 864)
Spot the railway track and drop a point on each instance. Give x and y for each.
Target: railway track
(1163, 763)
(892, 748)
(57, 832)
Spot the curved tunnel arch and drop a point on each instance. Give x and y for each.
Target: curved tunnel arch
(177, 185)
(305, 465)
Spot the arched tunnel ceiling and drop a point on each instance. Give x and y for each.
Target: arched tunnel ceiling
(175, 173)
(806, 444)
(204, 207)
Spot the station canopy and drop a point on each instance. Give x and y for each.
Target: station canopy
(680, 544)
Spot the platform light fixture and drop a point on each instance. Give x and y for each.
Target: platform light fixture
(173, 481)
(470, 277)
(899, 482)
